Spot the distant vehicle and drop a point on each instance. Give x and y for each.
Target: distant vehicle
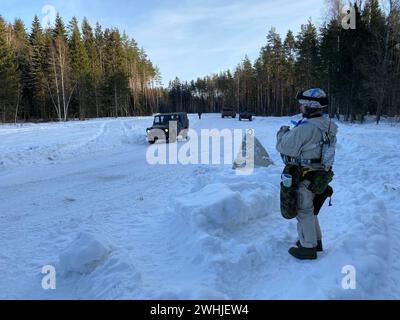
(246, 115)
(161, 126)
(228, 112)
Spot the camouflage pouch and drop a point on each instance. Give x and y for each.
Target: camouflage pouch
(289, 196)
(320, 180)
(320, 200)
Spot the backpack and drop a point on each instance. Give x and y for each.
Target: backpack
(328, 147)
(329, 142)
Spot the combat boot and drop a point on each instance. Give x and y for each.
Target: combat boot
(302, 253)
(320, 247)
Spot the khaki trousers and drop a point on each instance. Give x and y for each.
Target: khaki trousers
(308, 225)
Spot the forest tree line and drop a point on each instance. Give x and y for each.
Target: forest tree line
(67, 71)
(76, 71)
(359, 69)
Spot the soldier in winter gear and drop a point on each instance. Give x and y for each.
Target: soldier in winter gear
(309, 150)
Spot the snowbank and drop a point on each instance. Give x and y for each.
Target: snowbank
(221, 206)
(214, 227)
(83, 256)
(97, 271)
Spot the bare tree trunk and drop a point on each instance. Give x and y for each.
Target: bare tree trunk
(115, 99)
(282, 102)
(61, 62)
(17, 106)
(58, 106)
(96, 98)
(238, 93)
(70, 96)
(268, 95)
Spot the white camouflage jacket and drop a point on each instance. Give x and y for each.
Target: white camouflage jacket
(298, 143)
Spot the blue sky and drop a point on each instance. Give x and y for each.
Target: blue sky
(184, 38)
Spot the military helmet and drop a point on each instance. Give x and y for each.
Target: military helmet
(315, 98)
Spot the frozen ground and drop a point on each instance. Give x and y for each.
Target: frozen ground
(81, 196)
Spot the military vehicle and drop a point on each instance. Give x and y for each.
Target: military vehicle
(245, 115)
(228, 112)
(160, 131)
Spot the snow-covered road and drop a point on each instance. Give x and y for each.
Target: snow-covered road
(82, 197)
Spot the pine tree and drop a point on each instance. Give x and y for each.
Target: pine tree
(37, 83)
(307, 62)
(95, 72)
(247, 84)
(289, 47)
(394, 55)
(276, 56)
(20, 44)
(80, 67)
(115, 81)
(376, 67)
(9, 90)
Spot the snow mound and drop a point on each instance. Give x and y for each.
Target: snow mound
(93, 270)
(117, 278)
(215, 226)
(83, 256)
(227, 207)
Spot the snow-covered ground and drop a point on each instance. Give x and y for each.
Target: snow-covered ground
(82, 197)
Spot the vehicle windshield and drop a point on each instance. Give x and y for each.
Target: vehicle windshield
(165, 119)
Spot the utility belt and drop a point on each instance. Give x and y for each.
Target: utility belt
(296, 161)
(319, 185)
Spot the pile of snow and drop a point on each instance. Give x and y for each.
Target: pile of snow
(95, 270)
(214, 227)
(227, 206)
(83, 255)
